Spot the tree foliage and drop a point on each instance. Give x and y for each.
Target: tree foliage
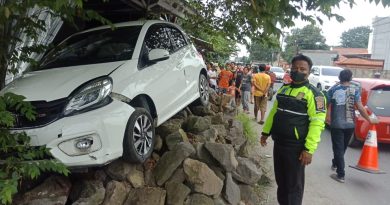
(259, 20)
(264, 52)
(356, 37)
(307, 38)
(24, 20)
(19, 160)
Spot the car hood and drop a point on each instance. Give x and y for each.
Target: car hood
(330, 79)
(57, 83)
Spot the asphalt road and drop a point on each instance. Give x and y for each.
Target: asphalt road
(360, 188)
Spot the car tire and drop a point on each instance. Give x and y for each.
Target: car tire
(203, 88)
(353, 142)
(139, 139)
(319, 87)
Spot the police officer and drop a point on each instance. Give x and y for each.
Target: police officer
(295, 123)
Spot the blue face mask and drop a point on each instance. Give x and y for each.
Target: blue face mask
(297, 76)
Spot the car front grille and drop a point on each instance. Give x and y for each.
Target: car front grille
(47, 112)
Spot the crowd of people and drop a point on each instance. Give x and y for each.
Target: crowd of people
(296, 119)
(244, 84)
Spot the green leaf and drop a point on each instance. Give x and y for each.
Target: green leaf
(7, 12)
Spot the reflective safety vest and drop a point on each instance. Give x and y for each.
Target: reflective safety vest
(297, 116)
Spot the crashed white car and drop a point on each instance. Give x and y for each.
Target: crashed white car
(100, 93)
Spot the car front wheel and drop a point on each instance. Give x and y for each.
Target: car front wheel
(139, 137)
(203, 91)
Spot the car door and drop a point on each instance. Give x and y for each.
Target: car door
(188, 61)
(163, 81)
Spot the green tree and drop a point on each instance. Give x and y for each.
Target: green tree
(356, 37)
(307, 38)
(19, 160)
(264, 52)
(22, 20)
(260, 19)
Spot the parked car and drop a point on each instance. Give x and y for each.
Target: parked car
(324, 77)
(279, 72)
(100, 93)
(375, 95)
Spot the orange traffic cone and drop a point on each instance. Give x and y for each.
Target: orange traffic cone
(369, 158)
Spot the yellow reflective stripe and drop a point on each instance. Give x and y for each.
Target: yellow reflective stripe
(296, 133)
(317, 118)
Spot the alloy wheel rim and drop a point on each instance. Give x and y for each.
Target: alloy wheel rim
(204, 92)
(142, 135)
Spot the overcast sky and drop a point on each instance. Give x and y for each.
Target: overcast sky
(361, 14)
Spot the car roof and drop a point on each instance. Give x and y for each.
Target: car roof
(128, 23)
(369, 83)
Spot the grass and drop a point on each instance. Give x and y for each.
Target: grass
(249, 128)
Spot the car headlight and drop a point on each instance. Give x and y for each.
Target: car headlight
(92, 95)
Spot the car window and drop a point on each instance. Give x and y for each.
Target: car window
(99, 46)
(157, 37)
(313, 69)
(331, 71)
(378, 101)
(277, 69)
(177, 37)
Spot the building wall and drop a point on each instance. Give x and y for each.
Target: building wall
(365, 73)
(381, 40)
(320, 57)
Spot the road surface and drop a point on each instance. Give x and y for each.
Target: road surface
(360, 188)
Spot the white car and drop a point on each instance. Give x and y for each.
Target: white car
(324, 77)
(100, 94)
(279, 72)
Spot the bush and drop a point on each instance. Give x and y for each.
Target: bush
(249, 128)
(19, 160)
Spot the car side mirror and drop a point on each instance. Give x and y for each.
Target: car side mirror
(316, 73)
(158, 54)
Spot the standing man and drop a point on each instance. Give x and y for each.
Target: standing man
(223, 80)
(261, 82)
(212, 75)
(238, 78)
(245, 89)
(343, 98)
(295, 123)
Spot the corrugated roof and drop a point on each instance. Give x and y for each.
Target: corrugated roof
(361, 62)
(344, 51)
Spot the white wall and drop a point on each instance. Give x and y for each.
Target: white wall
(381, 40)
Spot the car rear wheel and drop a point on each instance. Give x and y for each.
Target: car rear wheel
(139, 137)
(203, 91)
(353, 142)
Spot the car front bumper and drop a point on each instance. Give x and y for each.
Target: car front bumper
(104, 126)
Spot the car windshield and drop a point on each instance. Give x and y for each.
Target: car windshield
(99, 46)
(331, 71)
(378, 101)
(277, 69)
